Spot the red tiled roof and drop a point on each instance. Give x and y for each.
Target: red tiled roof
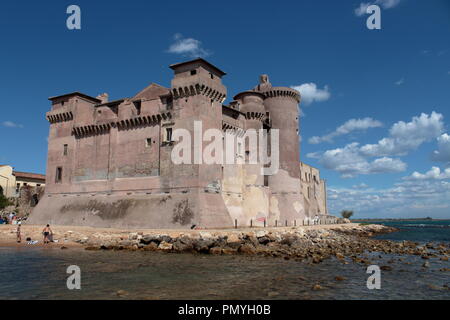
(29, 175)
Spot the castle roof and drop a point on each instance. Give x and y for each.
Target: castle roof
(153, 91)
(199, 61)
(76, 93)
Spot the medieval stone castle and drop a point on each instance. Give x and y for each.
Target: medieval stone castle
(109, 162)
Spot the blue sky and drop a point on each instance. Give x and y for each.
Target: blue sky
(368, 95)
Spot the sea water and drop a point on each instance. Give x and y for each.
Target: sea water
(41, 273)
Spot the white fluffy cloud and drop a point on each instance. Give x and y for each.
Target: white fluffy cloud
(353, 159)
(10, 124)
(405, 199)
(385, 4)
(407, 136)
(434, 173)
(346, 128)
(400, 82)
(349, 162)
(188, 47)
(443, 152)
(310, 93)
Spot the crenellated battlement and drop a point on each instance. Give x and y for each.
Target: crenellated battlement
(285, 92)
(58, 116)
(198, 89)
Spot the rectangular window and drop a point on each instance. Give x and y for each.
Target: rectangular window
(58, 177)
(168, 134)
(193, 72)
(148, 142)
(65, 149)
(266, 181)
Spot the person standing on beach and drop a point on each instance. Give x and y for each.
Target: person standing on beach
(19, 236)
(47, 231)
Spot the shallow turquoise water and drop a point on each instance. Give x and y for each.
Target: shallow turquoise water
(40, 273)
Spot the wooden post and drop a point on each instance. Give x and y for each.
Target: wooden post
(285, 223)
(264, 223)
(276, 223)
(235, 223)
(251, 223)
(295, 223)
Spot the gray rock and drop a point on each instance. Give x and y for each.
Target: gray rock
(146, 239)
(203, 245)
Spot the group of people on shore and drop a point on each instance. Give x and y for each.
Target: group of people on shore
(46, 232)
(10, 218)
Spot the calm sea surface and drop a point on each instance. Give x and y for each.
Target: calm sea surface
(40, 273)
(417, 230)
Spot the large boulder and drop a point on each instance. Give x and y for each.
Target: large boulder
(165, 246)
(203, 245)
(183, 244)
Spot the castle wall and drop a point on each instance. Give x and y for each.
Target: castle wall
(110, 163)
(313, 190)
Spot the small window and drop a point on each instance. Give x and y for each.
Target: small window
(148, 142)
(65, 149)
(58, 177)
(266, 181)
(137, 105)
(62, 103)
(38, 185)
(168, 134)
(193, 72)
(212, 76)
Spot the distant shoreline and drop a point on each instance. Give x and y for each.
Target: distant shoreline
(395, 219)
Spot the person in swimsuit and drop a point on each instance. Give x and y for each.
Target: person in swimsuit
(47, 231)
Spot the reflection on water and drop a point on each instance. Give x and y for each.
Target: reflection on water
(40, 273)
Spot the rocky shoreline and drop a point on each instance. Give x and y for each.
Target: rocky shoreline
(312, 244)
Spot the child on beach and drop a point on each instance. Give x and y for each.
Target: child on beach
(19, 236)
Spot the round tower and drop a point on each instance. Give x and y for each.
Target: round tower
(255, 202)
(281, 106)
